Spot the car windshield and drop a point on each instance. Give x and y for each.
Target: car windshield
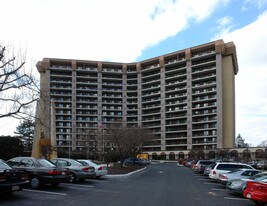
(260, 176)
(83, 162)
(211, 165)
(4, 166)
(206, 162)
(93, 162)
(234, 171)
(45, 163)
(87, 162)
(75, 163)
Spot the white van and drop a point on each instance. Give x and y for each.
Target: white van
(224, 167)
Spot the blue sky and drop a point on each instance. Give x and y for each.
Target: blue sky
(241, 13)
(135, 30)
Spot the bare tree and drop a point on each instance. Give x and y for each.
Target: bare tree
(263, 144)
(128, 141)
(18, 88)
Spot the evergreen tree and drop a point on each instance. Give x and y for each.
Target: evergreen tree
(240, 142)
(25, 130)
(10, 147)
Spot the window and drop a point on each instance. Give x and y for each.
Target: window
(26, 163)
(14, 162)
(62, 163)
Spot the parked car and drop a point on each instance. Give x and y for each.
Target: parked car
(188, 162)
(193, 163)
(40, 171)
(135, 161)
(200, 165)
(237, 186)
(100, 169)
(224, 167)
(256, 191)
(77, 170)
(207, 169)
(261, 165)
(10, 179)
(237, 174)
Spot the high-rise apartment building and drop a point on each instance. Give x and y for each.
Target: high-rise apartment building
(186, 98)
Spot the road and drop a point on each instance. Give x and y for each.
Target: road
(159, 185)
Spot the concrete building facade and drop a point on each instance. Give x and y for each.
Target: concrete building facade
(186, 98)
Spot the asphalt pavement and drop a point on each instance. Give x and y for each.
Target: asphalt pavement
(161, 184)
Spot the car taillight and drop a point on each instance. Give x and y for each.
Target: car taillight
(85, 169)
(214, 172)
(54, 172)
(2, 178)
(259, 187)
(100, 168)
(223, 177)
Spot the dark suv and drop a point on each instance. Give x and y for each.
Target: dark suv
(135, 161)
(199, 167)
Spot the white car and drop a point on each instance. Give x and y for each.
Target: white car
(100, 169)
(224, 167)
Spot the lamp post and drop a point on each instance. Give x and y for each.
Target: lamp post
(247, 154)
(103, 145)
(103, 140)
(69, 147)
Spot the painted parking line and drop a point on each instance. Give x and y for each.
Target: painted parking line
(77, 185)
(212, 193)
(45, 192)
(211, 183)
(236, 198)
(98, 180)
(218, 189)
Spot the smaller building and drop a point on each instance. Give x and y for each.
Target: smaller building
(234, 154)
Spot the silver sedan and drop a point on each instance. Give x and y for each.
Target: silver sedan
(77, 170)
(237, 174)
(238, 185)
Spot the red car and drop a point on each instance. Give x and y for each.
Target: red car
(257, 192)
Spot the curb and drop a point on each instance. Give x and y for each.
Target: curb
(125, 175)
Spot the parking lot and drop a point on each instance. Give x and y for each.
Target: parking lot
(219, 190)
(159, 184)
(64, 194)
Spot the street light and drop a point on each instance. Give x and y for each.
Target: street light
(69, 147)
(103, 140)
(103, 145)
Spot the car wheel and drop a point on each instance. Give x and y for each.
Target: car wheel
(35, 182)
(72, 177)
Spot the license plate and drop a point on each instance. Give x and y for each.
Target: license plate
(15, 188)
(63, 173)
(248, 195)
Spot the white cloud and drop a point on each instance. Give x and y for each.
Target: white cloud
(117, 30)
(99, 30)
(251, 97)
(225, 21)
